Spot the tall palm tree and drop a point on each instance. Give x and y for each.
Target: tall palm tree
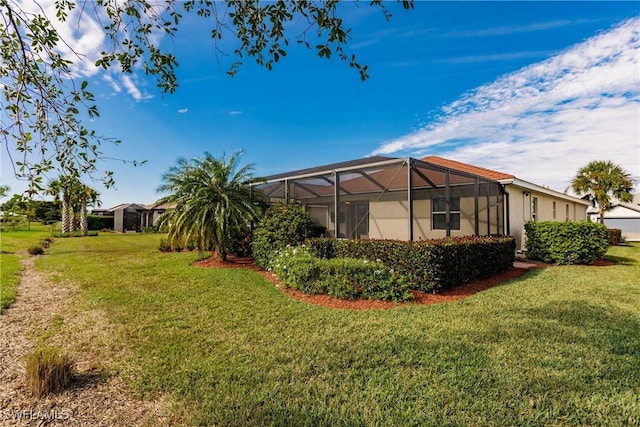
(87, 196)
(63, 186)
(211, 196)
(603, 181)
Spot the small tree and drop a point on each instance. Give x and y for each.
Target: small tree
(604, 182)
(211, 197)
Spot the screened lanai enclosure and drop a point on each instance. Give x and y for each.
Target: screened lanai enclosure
(392, 198)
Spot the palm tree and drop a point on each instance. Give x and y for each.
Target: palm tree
(211, 196)
(63, 185)
(603, 181)
(87, 196)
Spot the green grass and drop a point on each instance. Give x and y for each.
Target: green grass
(12, 246)
(558, 346)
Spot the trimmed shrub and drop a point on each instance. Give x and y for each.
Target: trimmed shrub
(566, 242)
(343, 278)
(350, 278)
(98, 222)
(49, 370)
(615, 236)
(281, 226)
(35, 250)
(296, 268)
(431, 265)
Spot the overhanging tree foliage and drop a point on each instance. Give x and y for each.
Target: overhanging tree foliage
(47, 103)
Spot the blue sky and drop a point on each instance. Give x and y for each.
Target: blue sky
(537, 89)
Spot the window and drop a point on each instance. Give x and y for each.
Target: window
(534, 209)
(566, 214)
(439, 213)
(554, 210)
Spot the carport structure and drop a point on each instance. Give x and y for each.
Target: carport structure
(392, 198)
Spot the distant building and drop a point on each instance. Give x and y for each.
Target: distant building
(625, 216)
(132, 217)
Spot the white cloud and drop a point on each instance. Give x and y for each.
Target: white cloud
(82, 38)
(133, 90)
(545, 121)
(114, 85)
(515, 29)
(183, 110)
(235, 113)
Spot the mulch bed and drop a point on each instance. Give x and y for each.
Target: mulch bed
(423, 298)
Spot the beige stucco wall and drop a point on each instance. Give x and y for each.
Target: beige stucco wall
(520, 210)
(388, 219)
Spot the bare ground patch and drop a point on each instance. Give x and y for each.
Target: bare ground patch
(47, 310)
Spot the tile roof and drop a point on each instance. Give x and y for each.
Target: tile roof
(464, 167)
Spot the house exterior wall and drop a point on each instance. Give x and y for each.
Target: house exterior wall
(388, 219)
(521, 210)
(118, 220)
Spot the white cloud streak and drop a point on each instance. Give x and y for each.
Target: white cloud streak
(183, 110)
(545, 121)
(132, 89)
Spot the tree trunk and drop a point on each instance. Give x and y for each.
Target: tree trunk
(222, 250)
(84, 225)
(601, 216)
(66, 214)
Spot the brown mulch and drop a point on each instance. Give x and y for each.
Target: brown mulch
(454, 294)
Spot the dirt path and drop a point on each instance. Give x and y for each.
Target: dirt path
(46, 310)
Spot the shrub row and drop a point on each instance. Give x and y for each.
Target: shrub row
(431, 265)
(566, 242)
(344, 278)
(615, 236)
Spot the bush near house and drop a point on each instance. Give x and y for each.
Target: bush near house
(281, 226)
(97, 222)
(566, 242)
(431, 265)
(615, 236)
(344, 278)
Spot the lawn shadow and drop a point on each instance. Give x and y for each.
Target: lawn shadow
(607, 328)
(88, 379)
(619, 260)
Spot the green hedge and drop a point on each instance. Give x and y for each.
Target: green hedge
(431, 265)
(97, 222)
(344, 278)
(281, 226)
(615, 236)
(566, 242)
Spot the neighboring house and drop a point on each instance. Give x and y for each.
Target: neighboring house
(417, 199)
(132, 216)
(625, 216)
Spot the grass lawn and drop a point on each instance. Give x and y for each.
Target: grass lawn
(558, 346)
(13, 245)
